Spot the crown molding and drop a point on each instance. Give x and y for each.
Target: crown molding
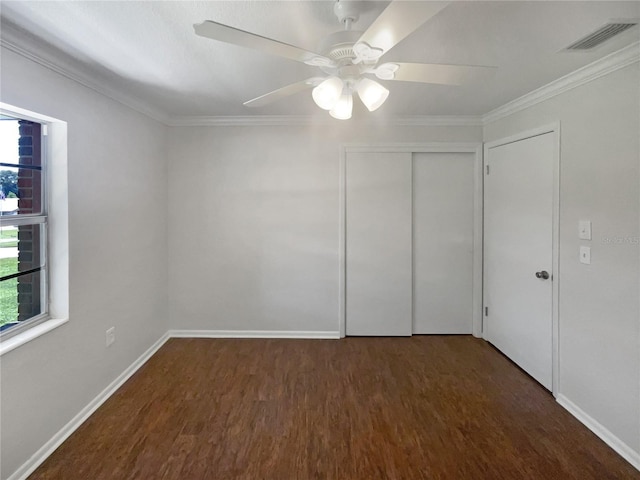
(604, 66)
(438, 121)
(297, 120)
(20, 42)
(24, 44)
(244, 120)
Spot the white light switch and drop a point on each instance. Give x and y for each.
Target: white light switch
(585, 255)
(584, 229)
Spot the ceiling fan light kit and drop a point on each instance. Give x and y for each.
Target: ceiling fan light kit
(348, 55)
(327, 93)
(344, 106)
(372, 94)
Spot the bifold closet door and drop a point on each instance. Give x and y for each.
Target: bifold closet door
(378, 244)
(443, 212)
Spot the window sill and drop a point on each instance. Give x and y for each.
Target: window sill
(20, 339)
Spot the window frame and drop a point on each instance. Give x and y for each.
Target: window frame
(57, 232)
(40, 218)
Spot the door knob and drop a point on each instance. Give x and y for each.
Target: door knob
(544, 275)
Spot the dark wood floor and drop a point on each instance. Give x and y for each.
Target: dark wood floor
(361, 408)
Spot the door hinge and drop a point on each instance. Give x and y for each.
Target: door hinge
(45, 130)
(487, 169)
(486, 311)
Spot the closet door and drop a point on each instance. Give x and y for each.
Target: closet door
(378, 244)
(443, 212)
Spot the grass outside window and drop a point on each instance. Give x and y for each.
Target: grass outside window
(8, 291)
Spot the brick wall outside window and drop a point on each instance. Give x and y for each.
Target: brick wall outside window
(30, 201)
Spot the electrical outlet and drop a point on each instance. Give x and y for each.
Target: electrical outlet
(111, 336)
(585, 255)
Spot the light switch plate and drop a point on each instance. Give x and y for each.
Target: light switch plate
(584, 229)
(585, 255)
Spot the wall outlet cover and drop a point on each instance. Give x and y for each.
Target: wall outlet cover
(585, 255)
(110, 336)
(584, 229)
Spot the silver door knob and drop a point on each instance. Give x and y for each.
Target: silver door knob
(544, 275)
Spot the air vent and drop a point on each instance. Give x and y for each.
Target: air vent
(601, 35)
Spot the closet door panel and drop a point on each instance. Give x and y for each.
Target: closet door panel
(443, 213)
(378, 244)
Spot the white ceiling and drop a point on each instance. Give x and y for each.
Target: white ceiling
(148, 51)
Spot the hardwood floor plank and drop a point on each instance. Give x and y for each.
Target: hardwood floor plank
(425, 407)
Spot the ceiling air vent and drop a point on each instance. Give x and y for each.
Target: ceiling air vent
(601, 35)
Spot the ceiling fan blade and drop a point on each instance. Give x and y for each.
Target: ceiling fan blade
(280, 93)
(397, 21)
(432, 72)
(235, 36)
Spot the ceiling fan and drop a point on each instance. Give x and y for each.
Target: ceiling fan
(347, 56)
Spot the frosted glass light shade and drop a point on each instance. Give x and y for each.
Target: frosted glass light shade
(343, 107)
(372, 94)
(327, 93)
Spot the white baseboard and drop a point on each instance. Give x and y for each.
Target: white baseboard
(624, 450)
(252, 334)
(48, 448)
(632, 456)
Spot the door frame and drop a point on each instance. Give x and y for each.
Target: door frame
(553, 128)
(475, 148)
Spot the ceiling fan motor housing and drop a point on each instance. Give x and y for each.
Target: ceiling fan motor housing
(339, 46)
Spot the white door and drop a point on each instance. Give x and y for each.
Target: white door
(518, 244)
(443, 190)
(378, 244)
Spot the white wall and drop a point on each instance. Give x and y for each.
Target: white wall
(253, 236)
(253, 241)
(599, 181)
(117, 258)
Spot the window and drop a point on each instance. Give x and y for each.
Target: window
(23, 225)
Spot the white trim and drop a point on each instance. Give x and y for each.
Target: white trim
(55, 290)
(430, 147)
(48, 448)
(19, 42)
(555, 259)
(608, 64)
(12, 111)
(252, 334)
(54, 442)
(296, 120)
(437, 121)
(342, 245)
(17, 220)
(12, 39)
(31, 333)
(15, 40)
(555, 262)
(533, 132)
(478, 242)
(624, 450)
(434, 147)
(246, 120)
